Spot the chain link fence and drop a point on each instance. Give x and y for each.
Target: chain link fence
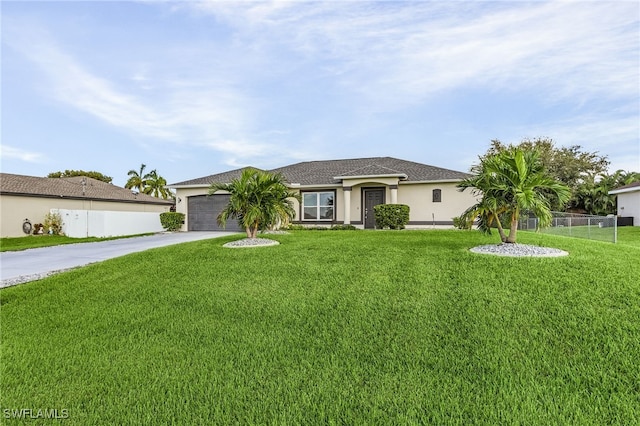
(601, 228)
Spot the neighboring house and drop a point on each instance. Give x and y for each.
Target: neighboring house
(342, 192)
(629, 201)
(31, 198)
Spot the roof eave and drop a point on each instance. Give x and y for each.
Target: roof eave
(312, 186)
(625, 190)
(85, 198)
(196, 185)
(398, 175)
(413, 182)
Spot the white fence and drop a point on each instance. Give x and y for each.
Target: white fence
(102, 223)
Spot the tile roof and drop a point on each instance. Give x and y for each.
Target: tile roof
(72, 187)
(325, 172)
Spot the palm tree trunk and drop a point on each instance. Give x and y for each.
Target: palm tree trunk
(248, 231)
(514, 227)
(254, 229)
(503, 236)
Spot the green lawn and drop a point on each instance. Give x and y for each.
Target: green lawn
(365, 328)
(35, 241)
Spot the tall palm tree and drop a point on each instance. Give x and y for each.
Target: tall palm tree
(512, 182)
(258, 198)
(137, 180)
(157, 186)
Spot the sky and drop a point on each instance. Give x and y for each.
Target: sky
(196, 88)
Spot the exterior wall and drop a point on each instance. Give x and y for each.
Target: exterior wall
(423, 211)
(15, 209)
(629, 205)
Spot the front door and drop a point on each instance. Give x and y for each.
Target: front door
(372, 197)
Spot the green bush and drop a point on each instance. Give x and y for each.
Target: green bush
(461, 223)
(298, 227)
(171, 221)
(343, 228)
(392, 216)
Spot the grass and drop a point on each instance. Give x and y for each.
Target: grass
(332, 327)
(629, 236)
(36, 241)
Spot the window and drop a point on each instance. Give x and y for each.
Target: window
(317, 205)
(437, 195)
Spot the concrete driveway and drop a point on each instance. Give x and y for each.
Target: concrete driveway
(18, 267)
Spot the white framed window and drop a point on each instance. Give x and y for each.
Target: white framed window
(318, 205)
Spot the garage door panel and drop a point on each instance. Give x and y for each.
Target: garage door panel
(203, 211)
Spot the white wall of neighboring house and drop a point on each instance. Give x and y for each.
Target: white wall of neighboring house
(629, 205)
(103, 223)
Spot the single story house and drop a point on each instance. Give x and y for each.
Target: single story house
(341, 192)
(30, 198)
(629, 201)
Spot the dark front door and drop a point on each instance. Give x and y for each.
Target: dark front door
(372, 197)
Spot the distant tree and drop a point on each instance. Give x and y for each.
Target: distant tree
(570, 165)
(157, 186)
(593, 193)
(74, 173)
(137, 180)
(511, 182)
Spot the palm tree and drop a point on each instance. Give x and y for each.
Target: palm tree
(512, 182)
(594, 191)
(137, 180)
(258, 198)
(157, 186)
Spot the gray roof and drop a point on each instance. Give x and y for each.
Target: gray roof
(224, 177)
(310, 173)
(626, 188)
(72, 187)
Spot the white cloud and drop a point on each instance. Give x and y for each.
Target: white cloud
(10, 152)
(613, 136)
(191, 110)
(399, 53)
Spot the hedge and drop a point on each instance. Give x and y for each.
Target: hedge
(392, 216)
(171, 221)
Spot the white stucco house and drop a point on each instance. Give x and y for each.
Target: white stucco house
(341, 192)
(628, 201)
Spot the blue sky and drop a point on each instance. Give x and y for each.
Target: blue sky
(196, 88)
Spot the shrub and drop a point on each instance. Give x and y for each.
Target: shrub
(343, 228)
(171, 221)
(392, 216)
(37, 228)
(461, 223)
(52, 223)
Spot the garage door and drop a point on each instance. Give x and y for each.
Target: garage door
(203, 211)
